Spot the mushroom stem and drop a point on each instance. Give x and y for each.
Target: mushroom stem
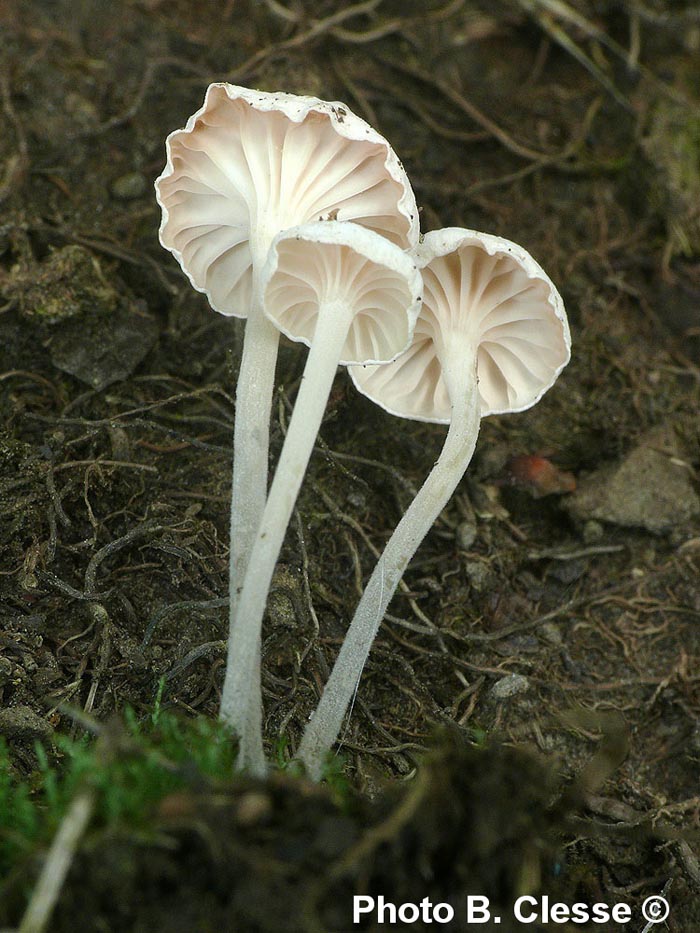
(241, 694)
(249, 486)
(459, 371)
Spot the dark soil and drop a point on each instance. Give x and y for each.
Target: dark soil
(576, 136)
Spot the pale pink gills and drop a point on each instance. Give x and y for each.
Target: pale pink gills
(491, 294)
(492, 337)
(352, 296)
(347, 281)
(247, 165)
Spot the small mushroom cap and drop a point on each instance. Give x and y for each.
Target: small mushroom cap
(249, 164)
(493, 293)
(329, 262)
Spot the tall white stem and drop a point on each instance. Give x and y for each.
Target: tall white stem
(459, 371)
(254, 390)
(241, 697)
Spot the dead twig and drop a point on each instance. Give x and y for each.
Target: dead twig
(547, 12)
(546, 20)
(58, 862)
(120, 464)
(318, 28)
(417, 107)
(97, 559)
(201, 651)
(150, 71)
(467, 107)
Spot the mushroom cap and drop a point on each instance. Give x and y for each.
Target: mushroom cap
(250, 163)
(326, 262)
(493, 292)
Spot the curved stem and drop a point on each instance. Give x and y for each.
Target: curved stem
(242, 686)
(323, 729)
(254, 390)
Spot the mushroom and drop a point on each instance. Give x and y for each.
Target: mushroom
(352, 297)
(247, 165)
(491, 338)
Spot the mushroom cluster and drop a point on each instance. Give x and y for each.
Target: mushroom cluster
(295, 214)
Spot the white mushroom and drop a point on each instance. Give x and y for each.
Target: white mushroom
(492, 337)
(351, 296)
(247, 165)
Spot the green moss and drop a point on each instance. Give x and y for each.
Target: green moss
(132, 767)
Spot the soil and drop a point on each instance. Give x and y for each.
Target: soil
(555, 606)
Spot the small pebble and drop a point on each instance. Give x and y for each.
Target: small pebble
(130, 186)
(478, 574)
(465, 535)
(82, 110)
(593, 532)
(253, 808)
(568, 571)
(551, 633)
(510, 686)
(357, 500)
